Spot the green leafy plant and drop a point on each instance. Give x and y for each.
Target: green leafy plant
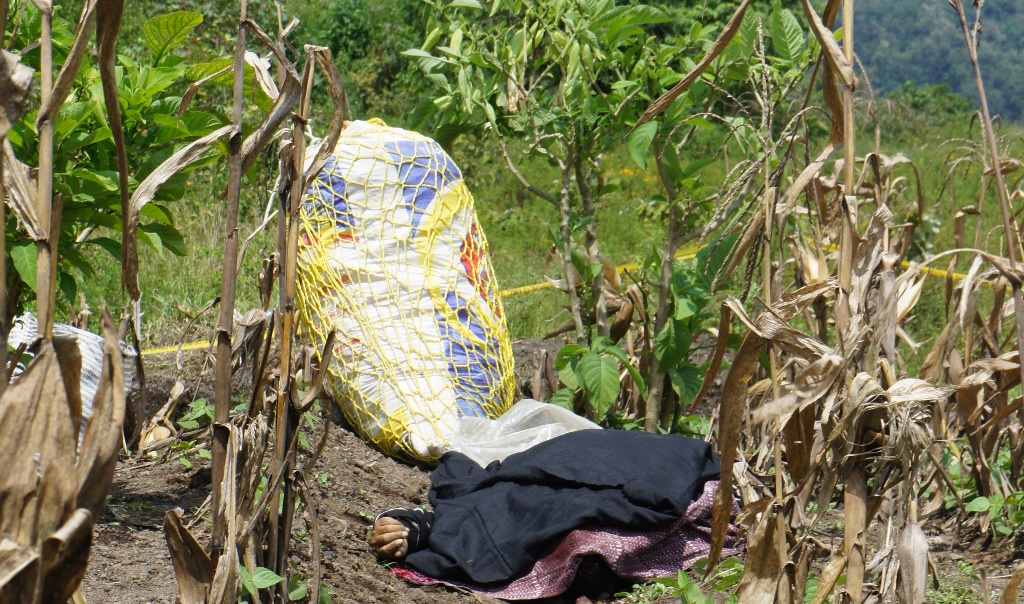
(156, 122)
(566, 78)
(200, 413)
(261, 578)
(594, 372)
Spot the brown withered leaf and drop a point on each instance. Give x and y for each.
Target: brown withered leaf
(69, 355)
(660, 104)
(261, 67)
(912, 552)
(830, 576)
(19, 572)
(730, 419)
(190, 561)
(834, 56)
(291, 90)
(336, 87)
(15, 82)
(804, 179)
(1013, 587)
(816, 379)
(761, 574)
(108, 23)
(21, 192)
(38, 456)
(716, 357)
(65, 556)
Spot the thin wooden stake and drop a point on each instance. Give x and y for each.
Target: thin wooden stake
(3, 249)
(222, 390)
(45, 248)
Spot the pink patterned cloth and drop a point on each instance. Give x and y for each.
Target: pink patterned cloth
(634, 555)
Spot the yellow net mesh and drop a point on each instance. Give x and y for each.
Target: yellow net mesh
(391, 255)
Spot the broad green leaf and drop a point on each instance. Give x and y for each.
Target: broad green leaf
(640, 141)
(563, 398)
(567, 352)
(686, 307)
(77, 140)
(620, 354)
(600, 380)
(24, 258)
(787, 37)
(113, 247)
(68, 286)
(980, 504)
(467, 4)
(169, 237)
(695, 165)
(165, 32)
(686, 381)
(672, 343)
(568, 377)
(263, 578)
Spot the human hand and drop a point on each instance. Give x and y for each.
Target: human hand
(389, 539)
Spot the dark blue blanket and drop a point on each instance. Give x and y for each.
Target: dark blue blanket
(491, 524)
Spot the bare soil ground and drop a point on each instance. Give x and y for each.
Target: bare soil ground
(130, 563)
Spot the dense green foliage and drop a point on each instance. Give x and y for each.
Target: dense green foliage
(921, 42)
(85, 170)
(367, 40)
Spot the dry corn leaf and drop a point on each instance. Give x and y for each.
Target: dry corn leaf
(912, 553)
(721, 343)
(108, 23)
(816, 379)
(834, 56)
(336, 87)
(1013, 587)
(762, 571)
(15, 82)
(291, 90)
(190, 561)
(19, 572)
(829, 577)
(908, 286)
(38, 456)
(21, 192)
(65, 555)
(261, 67)
(662, 103)
(730, 420)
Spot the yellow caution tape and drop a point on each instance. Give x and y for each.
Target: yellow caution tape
(684, 254)
(168, 349)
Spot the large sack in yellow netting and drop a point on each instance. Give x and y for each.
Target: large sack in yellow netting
(392, 256)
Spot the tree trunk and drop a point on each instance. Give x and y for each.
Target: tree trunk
(593, 249)
(570, 278)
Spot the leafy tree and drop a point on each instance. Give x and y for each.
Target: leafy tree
(367, 40)
(156, 122)
(567, 77)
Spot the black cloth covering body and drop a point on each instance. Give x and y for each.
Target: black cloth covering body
(491, 524)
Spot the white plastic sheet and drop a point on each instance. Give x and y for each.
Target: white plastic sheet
(526, 424)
